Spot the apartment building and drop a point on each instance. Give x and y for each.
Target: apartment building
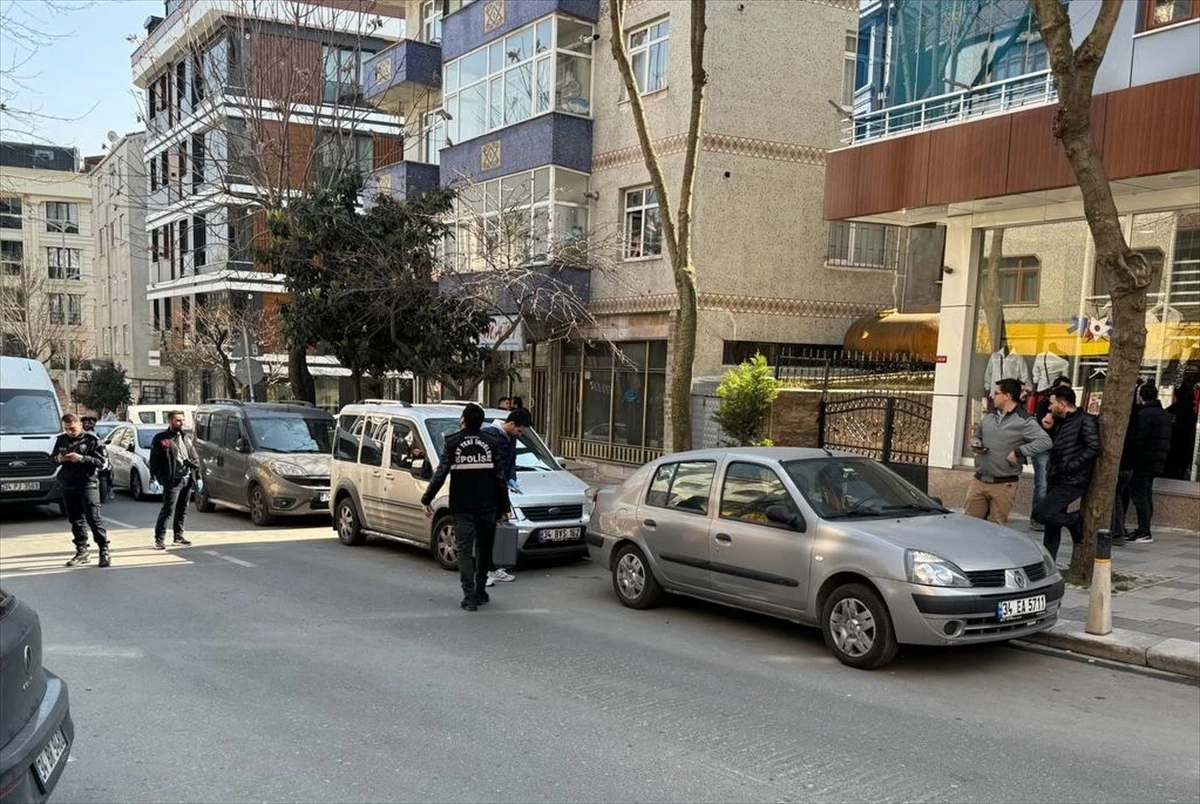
(519, 103)
(247, 101)
(953, 129)
(47, 299)
(124, 331)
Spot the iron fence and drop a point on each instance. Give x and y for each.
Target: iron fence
(835, 370)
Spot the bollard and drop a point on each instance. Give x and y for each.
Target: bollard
(1099, 615)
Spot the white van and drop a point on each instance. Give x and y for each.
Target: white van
(30, 421)
(157, 414)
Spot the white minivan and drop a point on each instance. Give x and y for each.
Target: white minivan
(157, 414)
(30, 421)
(384, 453)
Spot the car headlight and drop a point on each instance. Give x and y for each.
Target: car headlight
(1048, 562)
(516, 514)
(285, 468)
(928, 569)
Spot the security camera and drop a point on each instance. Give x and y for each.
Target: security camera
(587, 39)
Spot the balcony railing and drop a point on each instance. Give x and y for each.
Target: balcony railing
(1031, 89)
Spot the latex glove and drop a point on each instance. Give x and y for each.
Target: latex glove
(514, 487)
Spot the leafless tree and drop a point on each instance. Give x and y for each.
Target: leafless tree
(39, 320)
(208, 341)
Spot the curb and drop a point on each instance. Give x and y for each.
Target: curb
(1179, 656)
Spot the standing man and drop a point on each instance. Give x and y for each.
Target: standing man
(505, 403)
(1151, 444)
(509, 431)
(81, 456)
(478, 499)
(1003, 439)
(1041, 461)
(172, 461)
(1072, 459)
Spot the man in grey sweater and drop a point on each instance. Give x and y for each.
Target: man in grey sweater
(1001, 443)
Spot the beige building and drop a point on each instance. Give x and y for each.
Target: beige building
(47, 284)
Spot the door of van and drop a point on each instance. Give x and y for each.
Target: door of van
(403, 486)
(235, 465)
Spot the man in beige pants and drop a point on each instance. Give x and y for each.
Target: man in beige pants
(1002, 441)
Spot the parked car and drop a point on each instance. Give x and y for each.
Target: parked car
(36, 732)
(825, 539)
(129, 457)
(29, 424)
(268, 458)
(384, 454)
(158, 414)
(104, 429)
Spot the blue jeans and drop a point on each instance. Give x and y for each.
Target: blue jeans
(1041, 465)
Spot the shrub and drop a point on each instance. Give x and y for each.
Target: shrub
(746, 393)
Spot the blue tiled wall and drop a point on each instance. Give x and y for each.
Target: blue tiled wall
(463, 31)
(552, 139)
(412, 61)
(409, 179)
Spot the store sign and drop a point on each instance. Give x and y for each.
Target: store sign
(501, 324)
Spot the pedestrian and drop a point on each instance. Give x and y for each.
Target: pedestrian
(478, 499)
(1042, 459)
(509, 430)
(81, 456)
(1072, 459)
(1003, 439)
(1183, 433)
(1121, 498)
(172, 462)
(1151, 443)
(517, 403)
(505, 403)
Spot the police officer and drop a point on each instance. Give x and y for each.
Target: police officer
(81, 456)
(478, 499)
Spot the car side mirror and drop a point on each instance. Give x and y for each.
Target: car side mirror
(785, 515)
(242, 445)
(562, 462)
(131, 447)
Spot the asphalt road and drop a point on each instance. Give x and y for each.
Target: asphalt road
(279, 665)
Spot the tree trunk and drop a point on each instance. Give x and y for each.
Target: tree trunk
(356, 377)
(300, 378)
(683, 357)
(990, 297)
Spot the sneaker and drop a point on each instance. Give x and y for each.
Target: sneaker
(501, 575)
(1036, 525)
(158, 545)
(105, 560)
(468, 603)
(1140, 538)
(489, 581)
(182, 541)
(81, 557)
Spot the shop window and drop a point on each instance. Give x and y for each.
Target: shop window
(621, 390)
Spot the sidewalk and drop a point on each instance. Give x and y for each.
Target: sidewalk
(1156, 623)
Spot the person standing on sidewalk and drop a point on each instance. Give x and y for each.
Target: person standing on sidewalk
(1072, 459)
(81, 456)
(509, 430)
(172, 462)
(478, 499)
(1042, 460)
(1151, 443)
(1002, 440)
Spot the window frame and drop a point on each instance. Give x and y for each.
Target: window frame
(432, 14)
(850, 65)
(71, 271)
(348, 65)
(667, 505)
(12, 264)
(382, 425)
(1147, 22)
(663, 43)
(643, 208)
(68, 225)
(1014, 265)
(890, 259)
(11, 209)
(729, 467)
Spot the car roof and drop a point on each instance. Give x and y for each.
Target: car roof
(768, 453)
(259, 407)
(423, 411)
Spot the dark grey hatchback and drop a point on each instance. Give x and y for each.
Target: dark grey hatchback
(36, 732)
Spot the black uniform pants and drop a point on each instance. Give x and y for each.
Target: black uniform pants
(475, 535)
(83, 512)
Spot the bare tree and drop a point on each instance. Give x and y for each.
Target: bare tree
(676, 218)
(40, 319)
(206, 343)
(1128, 272)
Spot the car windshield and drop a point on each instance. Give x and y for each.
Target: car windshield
(104, 428)
(532, 454)
(146, 437)
(841, 488)
(28, 412)
(293, 433)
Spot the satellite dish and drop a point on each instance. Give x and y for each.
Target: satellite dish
(113, 137)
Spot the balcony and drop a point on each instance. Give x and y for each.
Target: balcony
(484, 21)
(401, 73)
(402, 180)
(550, 139)
(540, 291)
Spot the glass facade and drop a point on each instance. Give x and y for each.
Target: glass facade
(1042, 311)
(613, 394)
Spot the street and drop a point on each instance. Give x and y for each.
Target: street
(279, 665)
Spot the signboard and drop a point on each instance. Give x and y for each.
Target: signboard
(249, 371)
(515, 342)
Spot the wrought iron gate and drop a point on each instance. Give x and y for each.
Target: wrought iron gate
(891, 429)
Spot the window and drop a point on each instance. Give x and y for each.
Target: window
(232, 432)
(108, 341)
(13, 307)
(1159, 13)
(125, 338)
(649, 50)
(750, 489)
(1019, 280)
(1185, 269)
(372, 441)
(863, 245)
(620, 391)
(197, 161)
(63, 263)
(340, 155)
(62, 217)
(431, 20)
(199, 239)
(10, 213)
(406, 446)
(850, 69)
(12, 257)
(202, 426)
(433, 137)
(74, 309)
(58, 303)
(683, 486)
(643, 226)
(345, 439)
(343, 72)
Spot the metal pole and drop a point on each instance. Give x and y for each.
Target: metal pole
(246, 360)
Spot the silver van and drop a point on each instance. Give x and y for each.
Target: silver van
(384, 453)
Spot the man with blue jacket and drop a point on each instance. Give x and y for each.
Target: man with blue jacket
(509, 430)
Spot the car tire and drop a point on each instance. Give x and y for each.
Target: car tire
(135, 486)
(858, 628)
(260, 514)
(204, 503)
(441, 542)
(349, 530)
(633, 580)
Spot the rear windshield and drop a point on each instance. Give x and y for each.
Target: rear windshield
(532, 453)
(146, 438)
(293, 433)
(28, 412)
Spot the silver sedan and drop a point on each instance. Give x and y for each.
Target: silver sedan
(826, 539)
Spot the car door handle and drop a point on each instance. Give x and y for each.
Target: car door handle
(389, 476)
(723, 538)
(376, 473)
(650, 523)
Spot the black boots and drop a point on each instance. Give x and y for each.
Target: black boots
(81, 557)
(105, 560)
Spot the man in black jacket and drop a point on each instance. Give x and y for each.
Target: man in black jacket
(1041, 461)
(1072, 459)
(172, 461)
(1151, 443)
(478, 499)
(81, 456)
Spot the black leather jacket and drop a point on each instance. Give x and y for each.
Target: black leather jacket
(84, 474)
(1076, 448)
(1153, 439)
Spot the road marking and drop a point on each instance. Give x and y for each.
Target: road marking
(110, 521)
(99, 651)
(447, 612)
(230, 559)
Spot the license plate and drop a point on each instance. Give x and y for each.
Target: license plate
(323, 496)
(1012, 609)
(560, 534)
(29, 486)
(51, 755)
